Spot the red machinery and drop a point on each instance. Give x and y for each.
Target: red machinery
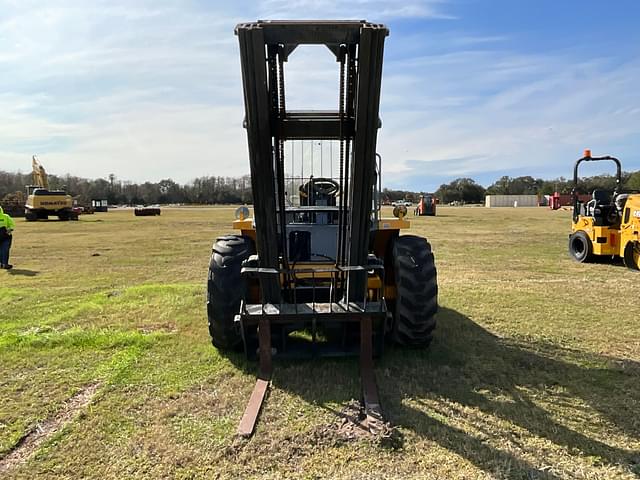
(426, 205)
(559, 200)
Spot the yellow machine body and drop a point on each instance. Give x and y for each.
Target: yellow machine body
(383, 231)
(620, 239)
(52, 201)
(608, 225)
(247, 226)
(42, 202)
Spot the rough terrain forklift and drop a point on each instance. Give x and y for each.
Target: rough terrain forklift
(317, 271)
(608, 225)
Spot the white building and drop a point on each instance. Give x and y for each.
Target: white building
(511, 201)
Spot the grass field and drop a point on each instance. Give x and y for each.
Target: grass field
(533, 373)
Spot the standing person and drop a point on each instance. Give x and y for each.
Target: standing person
(6, 228)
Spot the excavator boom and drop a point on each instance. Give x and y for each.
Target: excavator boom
(39, 174)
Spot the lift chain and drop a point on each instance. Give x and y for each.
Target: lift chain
(276, 94)
(341, 208)
(280, 160)
(349, 113)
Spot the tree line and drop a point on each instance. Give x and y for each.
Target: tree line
(466, 190)
(234, 190)
(202, 190)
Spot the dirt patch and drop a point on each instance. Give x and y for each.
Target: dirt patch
(30, 442)
(352, 424)
(349, 426)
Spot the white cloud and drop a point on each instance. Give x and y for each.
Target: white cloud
(153, 90)
(145, 92)
(512, 112)
(383, 10)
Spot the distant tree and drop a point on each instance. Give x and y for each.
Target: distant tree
(13, 203)
(560, 185)
(150, 192)
(500, 186)
(447, 193)
(210, 190)
(170, 192)
(207, 190)
(633, 182)
(18, 197)
(461, 190)
(394, 195)
(597, 182)
(516, 186)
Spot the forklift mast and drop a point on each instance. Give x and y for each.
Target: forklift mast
(265, 47)
(311, 273)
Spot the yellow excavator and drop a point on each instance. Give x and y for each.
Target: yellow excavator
(42, 202)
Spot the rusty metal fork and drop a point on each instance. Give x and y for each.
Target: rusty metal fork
(250, 417)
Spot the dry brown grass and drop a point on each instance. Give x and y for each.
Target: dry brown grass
(533, 372)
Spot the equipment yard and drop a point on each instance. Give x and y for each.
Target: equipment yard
(107, 370)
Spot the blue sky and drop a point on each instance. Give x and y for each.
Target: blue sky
(151, 89)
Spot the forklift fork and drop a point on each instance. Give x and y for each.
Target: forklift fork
(373, 411)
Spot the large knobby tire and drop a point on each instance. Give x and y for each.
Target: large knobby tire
(632, 255)
(580, 247)
(417, 291)
(226, 288)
